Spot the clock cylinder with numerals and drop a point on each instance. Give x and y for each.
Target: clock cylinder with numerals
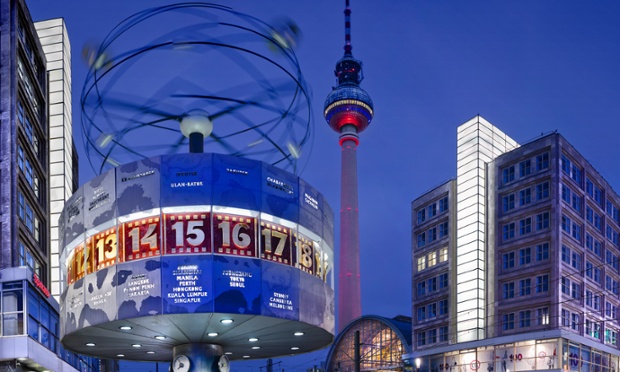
(162, 252)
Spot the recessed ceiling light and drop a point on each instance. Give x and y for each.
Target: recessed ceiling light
(294, 348)
(228, 353)
(252, 339)
(298, 333)
(125, 328)
(136, 345)
(90, 344)
(212, 334)
(160, 337)
(246, 356)
(120, 355)
(150, 352)
(226, 321)
(255, 347)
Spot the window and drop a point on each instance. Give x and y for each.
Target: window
(421, 313)
(598, 221)
(443, 280)
(589, 272)
(576, 174)
(509, 202)
(524, 318)
(596, 302)
(432, 336)
(431, 285)
(525, 196)
(12, 309)
(525, 168)
(596, 275)
(431, 310)
(542, 190)
(443, 334)
(525, 287)
(421, 215)
(542, 221)
(508, 174)
(509, 260)
(542, 283)
(611, 336)
(421, 288)
(576, 291)
(432, 259)
(542, 252)
(566, 286)
(421, 263)
(590, 215)
(566, 254)
(508, 321)
(566, 194)
(509, 290)
(509, 231)
(421, 240)
(566, 164)
(566, 318)
(443, 229)
(525, 226)
(421, 336)
(576, 231)
(443, 204)
(542, 161)
(443, 255)
(525, 256)
(566, 224)
(576, 203)
(574, 324)
(431, 235)
(588, 298)
(612, 235)
(443, 307)
(611, 310)
(431, 210)
(542, 316)
(576, 260)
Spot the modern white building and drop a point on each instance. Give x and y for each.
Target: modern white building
(515, 262)
(63, 180)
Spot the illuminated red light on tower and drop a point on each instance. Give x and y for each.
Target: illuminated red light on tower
(348, 111)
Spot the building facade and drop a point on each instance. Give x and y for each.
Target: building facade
(515, 262)
(29, 321)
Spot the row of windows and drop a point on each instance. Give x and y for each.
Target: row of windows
(524, 318)
(432, 310)
(434, 284)
(572, 228)
(26, 258)
(526, 167)
(433, 209)
(591, 328)
(572, 170)
(540, 191)
(24, 164)
(429, 337)
(525, 287)
(572, 198)
(33, 316)
(541, 252)
(28, 217)
(525, 226)
(432, 234)
(431, 259)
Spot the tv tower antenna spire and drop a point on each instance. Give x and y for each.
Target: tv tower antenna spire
(348, 111)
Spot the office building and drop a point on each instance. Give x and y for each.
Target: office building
(515, 262)
(29, 328)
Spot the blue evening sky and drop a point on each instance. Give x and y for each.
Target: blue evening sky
(527, 66)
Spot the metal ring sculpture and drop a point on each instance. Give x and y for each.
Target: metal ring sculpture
(163, 64)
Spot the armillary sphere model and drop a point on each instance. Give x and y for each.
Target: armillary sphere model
(198, 62)
(196, 258)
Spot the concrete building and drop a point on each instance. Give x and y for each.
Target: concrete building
(29, 327)
(515, 262)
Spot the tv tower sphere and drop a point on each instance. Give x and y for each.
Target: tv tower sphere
(348, 110)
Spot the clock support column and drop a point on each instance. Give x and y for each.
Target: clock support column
(199, 357)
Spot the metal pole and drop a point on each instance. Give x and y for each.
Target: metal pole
(357, 351)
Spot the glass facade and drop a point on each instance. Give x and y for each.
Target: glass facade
(478, 143)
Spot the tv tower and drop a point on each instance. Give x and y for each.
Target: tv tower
(348, 110)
